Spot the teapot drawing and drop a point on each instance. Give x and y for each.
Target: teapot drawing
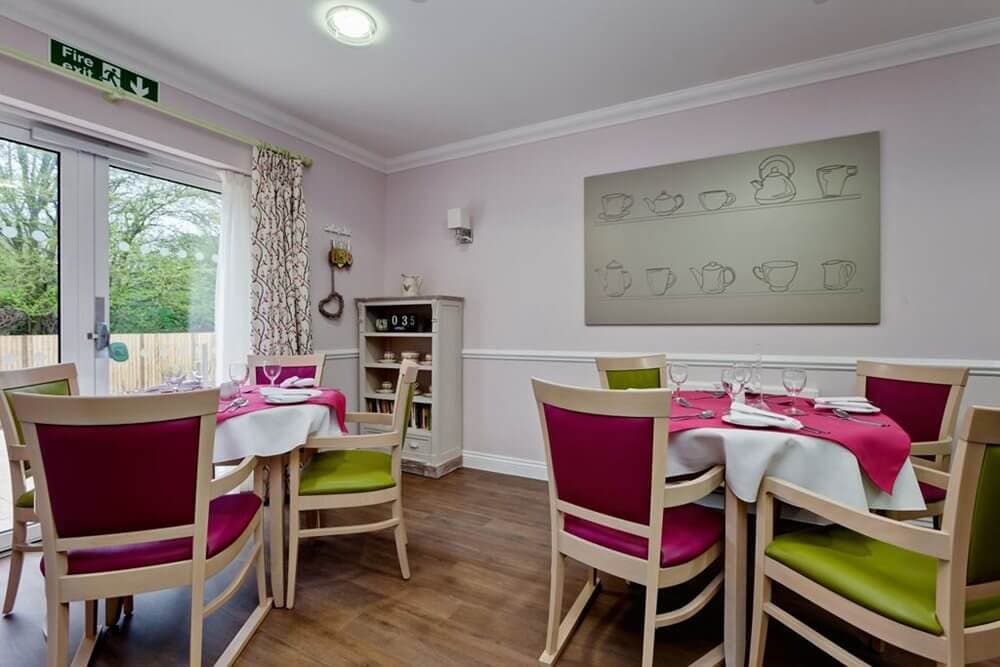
(616, 280)
(665, 203)
(775, 184)
(714, 278)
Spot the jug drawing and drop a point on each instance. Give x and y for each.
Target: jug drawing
(838, 273)
(832, 178)
(660, 279)
(615, 279)
(775, 183)
(665, 203)
(777, 274)
(714, 278)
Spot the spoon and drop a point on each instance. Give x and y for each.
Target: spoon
(704, 414)
(844, 414)
(684, 403)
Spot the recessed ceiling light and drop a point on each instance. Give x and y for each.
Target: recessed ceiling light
(351, 25)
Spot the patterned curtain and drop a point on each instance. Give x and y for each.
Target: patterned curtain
(279, 257)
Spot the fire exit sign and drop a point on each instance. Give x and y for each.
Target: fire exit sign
(81, 62)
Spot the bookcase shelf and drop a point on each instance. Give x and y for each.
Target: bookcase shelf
(433, 444)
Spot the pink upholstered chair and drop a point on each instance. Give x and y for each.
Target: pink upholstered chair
(149, 457)
(300, 365)
(924, 400)
(611, 509)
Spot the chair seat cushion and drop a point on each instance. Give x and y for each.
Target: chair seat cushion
(688, 531)
(228, 517)
(890, 581)
(353, 471)
(932, 494)
(26, 499)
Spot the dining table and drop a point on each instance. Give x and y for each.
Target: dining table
(877, 476)
(270, 432)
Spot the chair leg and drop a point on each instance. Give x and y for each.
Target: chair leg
(294, 522)
(57, 623)
(197, 616)
(557, 581)
(112, 610)
(936, 519)
(400, 535)
(649, 624)
(128, 605)
(90, 618)
(19, 536)
(758, 635)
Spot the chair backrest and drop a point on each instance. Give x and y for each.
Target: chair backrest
(923, 400)
(972, 505)
(403, 405)
(147, 457)
(644, 372)
(605, 451)
(57, 380)
(300, 365)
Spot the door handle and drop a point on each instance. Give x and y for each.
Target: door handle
(101, 336)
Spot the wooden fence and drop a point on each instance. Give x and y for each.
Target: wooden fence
(149, 355)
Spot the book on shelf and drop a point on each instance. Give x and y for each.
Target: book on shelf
(420, 415)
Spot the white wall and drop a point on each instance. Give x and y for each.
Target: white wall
(523, 276)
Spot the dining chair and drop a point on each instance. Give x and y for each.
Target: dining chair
(935, 593)
(55, 380)
(924, 401)
(611, 510)
(173, 525)
(644, 372)
(301, 365)
(351, 471)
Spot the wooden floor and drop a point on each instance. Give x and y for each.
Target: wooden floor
(478, 594)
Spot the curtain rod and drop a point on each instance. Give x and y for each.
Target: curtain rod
(112, 94)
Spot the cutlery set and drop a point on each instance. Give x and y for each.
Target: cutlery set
(234, 405)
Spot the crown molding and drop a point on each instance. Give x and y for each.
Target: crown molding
(50, 22)
(891, 54)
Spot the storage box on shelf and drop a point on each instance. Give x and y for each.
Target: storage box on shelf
(426, 325)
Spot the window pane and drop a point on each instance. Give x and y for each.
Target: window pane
(164, 240)
(29, 256)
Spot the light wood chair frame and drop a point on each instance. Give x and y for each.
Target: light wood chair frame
(391, 440)
(958, 644)
(935, 453)
(654, 404)
(605, 364)
(61, 588)
(17, 457)
(255, 361)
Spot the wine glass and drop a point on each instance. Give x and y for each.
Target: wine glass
(272, 371)
(172, 377)
(755, 385)
(239, 373)
(678, 375)
(742, 371)
(794, 380)
(731, 384)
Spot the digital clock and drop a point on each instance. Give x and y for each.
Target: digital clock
(402, 322)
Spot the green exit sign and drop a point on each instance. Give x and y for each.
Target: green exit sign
(81, 62)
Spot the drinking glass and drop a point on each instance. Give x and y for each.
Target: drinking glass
(755, 385)
(794, 380)
(197, 374)
(742, 371)
(730, 384)
(239, 373)
(271, 372)
(172, 377)
(678, 375)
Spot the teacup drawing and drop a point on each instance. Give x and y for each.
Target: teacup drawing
(616, 205)
(777, 274)
(838, 273)
(832, 178)
(660, 279)
(714, 200)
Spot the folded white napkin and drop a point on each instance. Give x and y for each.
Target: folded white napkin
(289, 391)
(842, 399)
(288, 382)
(296, 381)
(784, 421)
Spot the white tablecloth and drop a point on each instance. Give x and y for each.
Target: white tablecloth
(823, 467)
(273, 431)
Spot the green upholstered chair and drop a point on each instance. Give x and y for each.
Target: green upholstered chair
(935, 593)
(352, 471)
(59, 380)
(645, 372)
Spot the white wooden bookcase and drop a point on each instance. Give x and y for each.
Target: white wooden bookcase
(433, 444)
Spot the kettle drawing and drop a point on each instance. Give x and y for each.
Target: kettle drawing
(775, 184)
(665, 203)
(615, 279)
(714, 278)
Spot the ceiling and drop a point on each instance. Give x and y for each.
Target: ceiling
(445, 71)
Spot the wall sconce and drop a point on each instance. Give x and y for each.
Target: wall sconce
(460, 220)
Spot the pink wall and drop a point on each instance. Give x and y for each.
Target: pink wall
(523, 276)
(337, 190)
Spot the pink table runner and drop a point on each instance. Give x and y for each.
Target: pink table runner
(881, 451)
(332, 398)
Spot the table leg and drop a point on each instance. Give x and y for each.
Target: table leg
(276, 499)
(736, 580)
